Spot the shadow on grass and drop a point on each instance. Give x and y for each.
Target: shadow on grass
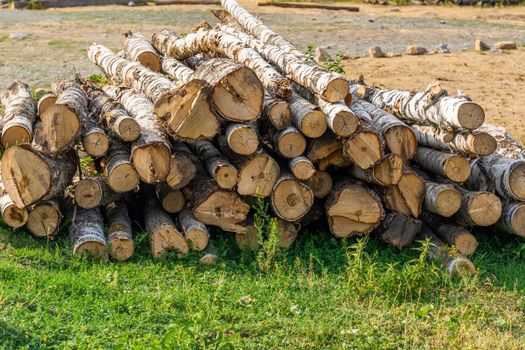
(12, 338)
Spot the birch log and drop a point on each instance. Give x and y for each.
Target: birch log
(195, 232)
(87, 233)
(120, 233)
(433, 105)
(92, 192)
(451, 166)
(172, 201)
(277, 112)
(512, 218)
(506, 175)
(241, 138)
(45, 102)
(222, 171)
(302, 168)
(120, 173)
(507, 145)
(139, 49)
(289, 142)
(441, 199)
(19, 114)
(386, 172)
(478, 208)
(44, 218)
(309, 119)
(364, 147)
(290, 198)
(182, 168)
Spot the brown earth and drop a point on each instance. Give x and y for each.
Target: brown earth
(57, 39)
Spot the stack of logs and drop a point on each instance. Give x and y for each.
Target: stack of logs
(192, 129)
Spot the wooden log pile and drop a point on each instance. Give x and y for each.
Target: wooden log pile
(192, 129)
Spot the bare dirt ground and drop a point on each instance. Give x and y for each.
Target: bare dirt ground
(58, 38)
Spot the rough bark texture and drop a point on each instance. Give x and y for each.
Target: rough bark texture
(473, 143)
(454, 235)
(121, 175)
(399, 137)
(177, 70)
(399, 230)
(352, 209)
(277, 112)
(214, 41)
(163, 235)
(512, 218)
(29, 176)
(237, 93)
(332, 87)
(139, 49)
(433, 105)
(222, 171)
(506, 175)
(290, 198)
(407, 196)
(309, 119)
(507, 146)
(150, 153)
(44, 219)
(441, 199)
(19, 114)
(195, 231)
(87, 233)
(450, 259)
(120, 234)
(451, 166)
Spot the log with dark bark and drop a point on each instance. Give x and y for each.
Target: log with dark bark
(407, 196)
(433, 105)
(291, 199)
(441, 199)
(19, 114)
(163, 234)
(450, 259)
(44, 218)
(87, 233)
(195, 232)
(182, 168)
(475, 143)
(237, 93)
(512, 219)
(120, 234)
(172, 201)
(139, 49)
(222, 171)
(399, 229)
(352, 209)
(29, 176)
(456, 236)
(120, 174)
(506, 175)
(448, 165)
(150, 153)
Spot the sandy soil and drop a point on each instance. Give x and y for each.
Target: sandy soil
(57, 40)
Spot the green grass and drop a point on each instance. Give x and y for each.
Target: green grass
(321, 294)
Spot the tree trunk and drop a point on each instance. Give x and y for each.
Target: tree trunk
(182, 168)
(214, 206)
(454, 235)
(352, 209)
(87, 233)
(12, 215)
(386, 172)
(120, 234)
(150, 153)
(289, 142)
(399, 230)
(214, 41)
(441, 199)
(113, 114)
(19, 114)
(29, 176)
(45, 102)
(120, 174)
(431, 106)
(451, 260)
(241, 138)
(512, 219)
(177, 70)
(195, 231)
(473, 143)
(399, 137)
(309, 119)
(407, 196)
(507, 146)
(172, 201)
(451, 166)
(364, 148)
(302, 168)
(62, 123)
(222, 171)
(44, 219)
(139, 49)
(278, 112)
(93, 192)
(237, 93)
(184, 106)
(290, 198)
(506, 175)
(320, 183)
(163, 235)
(478, 208)
(332, 87)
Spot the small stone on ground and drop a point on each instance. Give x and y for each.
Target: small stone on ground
(506, 45)
(376, 52)
(416, 50)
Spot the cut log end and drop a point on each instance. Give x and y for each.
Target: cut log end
(320, 184)
(167, 238)
(363, 148)
(485, 209)
(344, 124)
(58, 128)
(313, 124)
(517, 221)
(517, 180)
(447, 202)
(152, 162)
(173, 201)
(336, 90)
(239, 96)
(123, 178)
(401, 140)
(471, 115)
(291, 199)
(456, 168)
(92, 249)
(291, 143)
(280, 114)
(150, 60)
(88, 193)
(226, 176)
(248, 240)
(388, 171)
(461, 265)
(44, 220)
(121, 249)
(466, 243)
(96, 143)
(257, 176)
(197, 239)
(16, 134)
(242, 139)
(45, 102)
(302, 168)
(484, 144)
(26, 175)
(128, 129)
(14, 217)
